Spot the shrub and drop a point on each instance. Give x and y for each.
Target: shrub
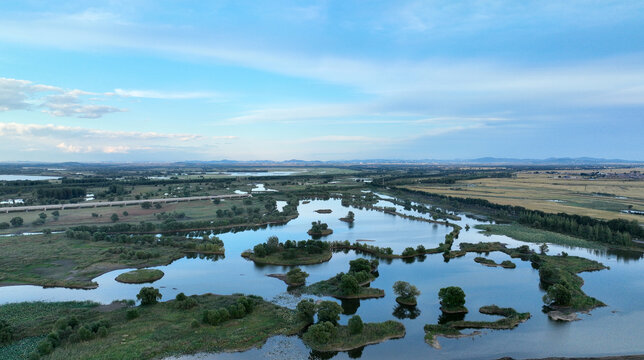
(102, 331)
(558, 294)
(349, 285)
(355, 324)
(409, 251)
(320, 333)
(149, 296)
(194, 323)
(296, 276)
(360, 264)
(131, 314)
(85, 333)
(4, 225)
(6, 332)
(45, 347)
(329, 311)
(181, 296)
(16, 221)
(452, 297)
(306, 310)
(406, 290)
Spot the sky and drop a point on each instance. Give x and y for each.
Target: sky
(320, 80)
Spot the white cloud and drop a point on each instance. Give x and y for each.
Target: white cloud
(81, 140)
(166, 95)
(25, 95)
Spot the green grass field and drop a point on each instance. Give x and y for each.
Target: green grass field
(537, 236)
(57, 260)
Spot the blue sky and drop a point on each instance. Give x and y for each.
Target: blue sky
(328, 80)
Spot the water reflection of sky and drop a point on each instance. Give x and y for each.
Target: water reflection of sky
(615, 329)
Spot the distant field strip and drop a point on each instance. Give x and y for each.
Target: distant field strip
(596, 198)
(116, 203)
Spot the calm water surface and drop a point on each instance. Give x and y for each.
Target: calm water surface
(615, 329)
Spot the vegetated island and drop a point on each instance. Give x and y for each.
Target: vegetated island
(557, 273)
(452, 329)
(507, 264)
(140, 276)
(352, 285)
(328, 335)
(294, 277)
(304, 252)
(349, 218)
(406, 292)
(204, 323)
(323, 211)
(319, 229)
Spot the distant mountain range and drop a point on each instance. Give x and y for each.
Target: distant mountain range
(565, 161)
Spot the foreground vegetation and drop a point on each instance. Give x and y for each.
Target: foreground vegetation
(145, 332)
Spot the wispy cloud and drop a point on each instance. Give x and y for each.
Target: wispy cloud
(25, 95)
(82, 140)
(165, 95)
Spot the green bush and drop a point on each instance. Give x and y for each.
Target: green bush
(355, 324)
(452, 297)
(558, 294)
(320, 333)
(306, 310)
(149, 296)
(349, 285)
(329, 311)
(6, 332)
(131, 314)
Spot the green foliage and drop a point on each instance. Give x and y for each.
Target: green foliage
(452, 297)
(114, 217)
(405, 290)
(296, 276)
(6, 332)
(349, 285)
(358, 265)
(149, 296)
(329, 311)
(558, 294)
(320, 333)
(16, 221)
(132, 314)
(355, 324)
(306, 310)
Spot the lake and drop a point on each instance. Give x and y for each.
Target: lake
(612, 330)
(27, 177)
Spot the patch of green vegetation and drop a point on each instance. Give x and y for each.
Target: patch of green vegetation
(558, 275)
(489, 262)
(537, 236)
(511, 318)
(55, 260)
(140, 276)
(160, 330)
(20, 349)
(352, 285)
(290, 252)
(341, 338)
(319, 229)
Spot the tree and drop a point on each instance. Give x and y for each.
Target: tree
(349, 285)
(543, 248)
(125, 213)
(114, 217)
(358, 265)
(16, 221)
(329, 311)
(272, 244)
(306, 310)
(146, 205)
(406, 291)
(296, 276)
(355, 324)
(42, 216)
(6, 332)
(149, 296)
(56, 213)
(452, 297)
(320, 333)
(558, 294)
